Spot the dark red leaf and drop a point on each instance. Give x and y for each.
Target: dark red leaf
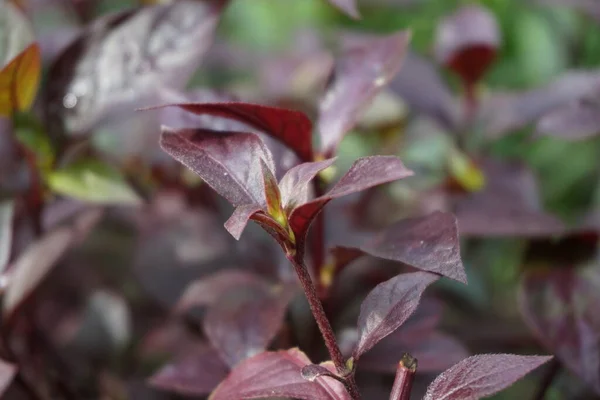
(206, 291)
(560, 307)
(7, 373)
(244, 320)
(509, 205)
(358, 76)
(295, 184)
(229, 162)
(467, 42)
(429, 243)
(347, 6)
(293, 128)
(577, 121)
(363, 174)
(388, 306)
(194, 374)
(420, 84)
(124, 59)
(277, 374)
(482, 376)
(236, 224)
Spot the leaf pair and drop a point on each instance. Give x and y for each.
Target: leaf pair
(239, 167)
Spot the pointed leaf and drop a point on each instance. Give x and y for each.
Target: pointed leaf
(387, 307)
(482, 376)
(243, 321)
(206, 291)
(19, 81)
(574, 122)
(6, 232)
(358, 77)
(295, 184)
(93, 182)
(277, 374)
(429, 243)
(272, 195)
(363, 174)
(194, 374)
(559, 306)
(229, 162)
(347, 6)
(292, 128)
(313, 371)
(467, 42)
(236, 224)
(123, 60)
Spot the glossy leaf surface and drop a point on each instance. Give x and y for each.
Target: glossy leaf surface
(482, 376)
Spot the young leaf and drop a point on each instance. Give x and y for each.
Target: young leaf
(577, 121)
(124, 59)
(6, 231)
(292, 128)
(482, 376)
(229, 162)
(360, 74)
(363, 174)
(19, 81)
(467, 42)
(387, 307)
(294, 185)
(194, 374)
(277, 374)
(429, 243)
(347, 6)
(93, 182)
(272, 194)
(559, 306)
(243, 321)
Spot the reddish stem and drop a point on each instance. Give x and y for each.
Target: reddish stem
(405, 375)
(318, 312)
(318, 238)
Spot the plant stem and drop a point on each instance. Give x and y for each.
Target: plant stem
(551, 373)
(318, 239)
(324, 326)
(405, 375)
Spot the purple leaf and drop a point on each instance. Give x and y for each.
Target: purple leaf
(347, 6)
(124, 59)
(560, 307)
(193, 374)
(363, 174)
(360, 74)
(313, 371)
(229, 162)
(7, 373)
(206, 291)
(574, 122)
(482, 376)
(236, 224)
(243, 321)
(295, 186)
(387, 307)
(292, 128)
(429, 243)
(277, 374)
(509, 205)
(467, 42)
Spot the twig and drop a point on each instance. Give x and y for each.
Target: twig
(405, 375)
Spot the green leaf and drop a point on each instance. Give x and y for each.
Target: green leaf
(93, 182)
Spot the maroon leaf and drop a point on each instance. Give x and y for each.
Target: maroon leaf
(294, 185)
(293, 128)
(560, 307)
(206, 291)
(277, 374)
(509, 205)
(360, 74)
(387, 307)
(7, 373)
(236, 224)
(575, 122)
(429, 243)
(347, 6)
(481, 376)
(467, 42)
(124, 59)
(194, 374)
(229, 162)
(244, 321)
(364, 173)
